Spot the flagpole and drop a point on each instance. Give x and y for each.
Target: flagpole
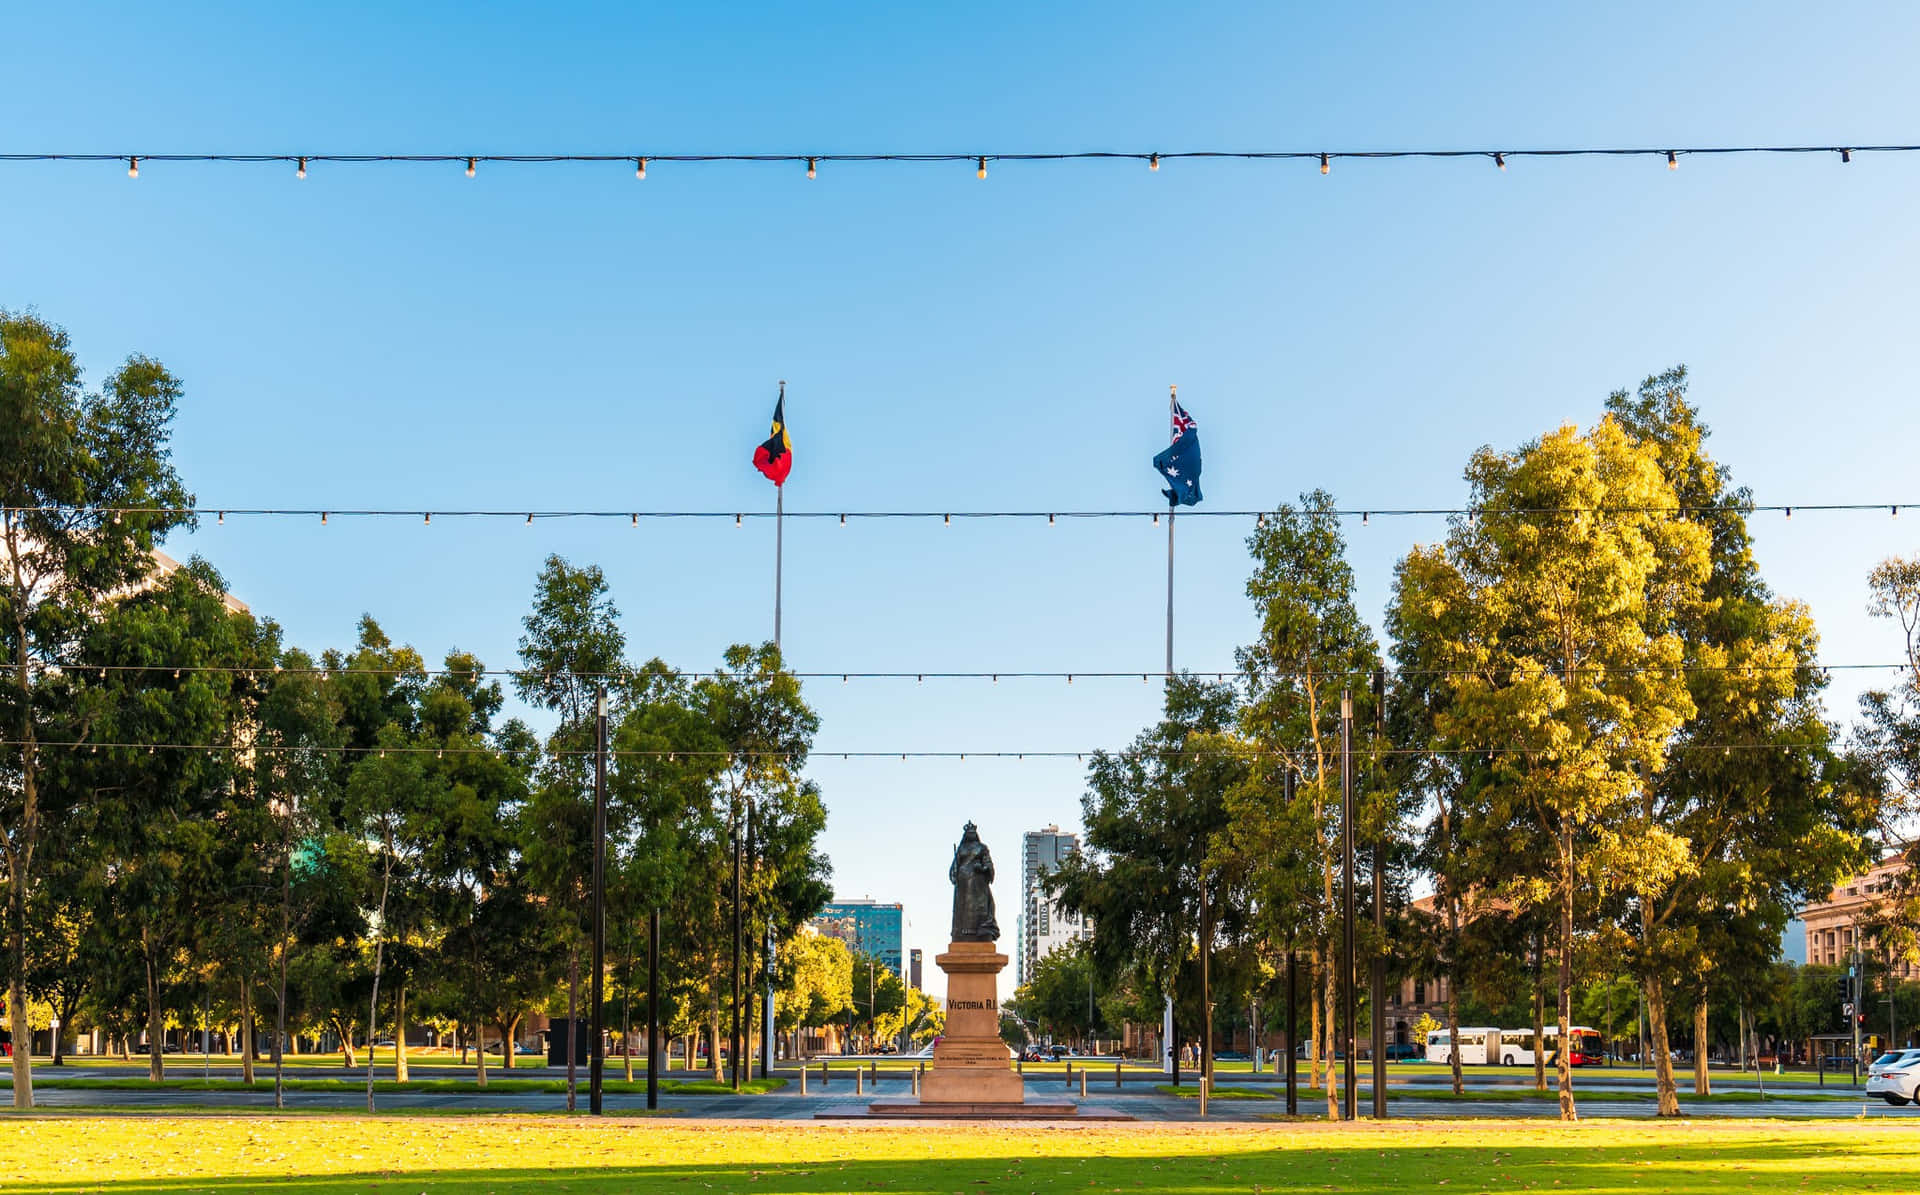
(779, 565)
(779, 532)
(1173, 504)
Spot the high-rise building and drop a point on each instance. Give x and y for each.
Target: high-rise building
(1044, 926)
(913, 967)
(867, 927)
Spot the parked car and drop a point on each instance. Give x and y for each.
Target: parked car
(1059, 1052)
(1404, 1052)
(1229, 1056)
(1895, 1077)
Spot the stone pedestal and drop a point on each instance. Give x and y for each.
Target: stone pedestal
(971, 1064)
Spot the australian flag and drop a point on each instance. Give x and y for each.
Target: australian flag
(1179, 463)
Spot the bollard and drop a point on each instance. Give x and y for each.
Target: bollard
(823, 1075)
(876, 1073)
(859, 1082)
(803, 1078)
(1083, 1083)
(1116, 1076)
(913, 1077)
(1070, 1074)
(1019, 1066)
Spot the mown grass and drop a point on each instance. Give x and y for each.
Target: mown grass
(170, 1155)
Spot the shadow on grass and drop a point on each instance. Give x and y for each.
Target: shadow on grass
(1332, 1161)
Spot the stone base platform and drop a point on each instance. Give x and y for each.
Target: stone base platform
(914, 1110)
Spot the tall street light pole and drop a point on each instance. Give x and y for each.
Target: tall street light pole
(597, 1063)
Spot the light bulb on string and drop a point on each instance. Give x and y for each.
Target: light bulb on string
(222, 520)
(470, 167)
(737, 522)
(1326, 165)
(301, 171)
(1846, 155)
(529, 519)
(1365, 517)
(636, 519)
(133, 167)
(1500, 160)
(1789, 512)
(1673, 161)
(323, 518)
(640, 169)
(982, 172)
(426, 519)
(1153, 161)
(812, 167)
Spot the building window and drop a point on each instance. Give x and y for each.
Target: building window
(1419, 991)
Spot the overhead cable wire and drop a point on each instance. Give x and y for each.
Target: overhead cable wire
(325, 515)
(812, 160)
(631, 674)
(1245, 752)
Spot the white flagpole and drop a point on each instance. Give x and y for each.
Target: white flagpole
(1167, 1063)
(1173, 393)
(779, 523)
(779, 553)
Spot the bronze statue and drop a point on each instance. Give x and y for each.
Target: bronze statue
(972, 877)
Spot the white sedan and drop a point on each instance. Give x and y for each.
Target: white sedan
(1895, 1077)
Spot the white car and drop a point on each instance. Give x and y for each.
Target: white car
(1895, 1077)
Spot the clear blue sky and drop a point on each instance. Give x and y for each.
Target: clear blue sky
(549, 337)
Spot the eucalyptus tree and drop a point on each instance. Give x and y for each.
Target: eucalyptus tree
(68, 457)
(1156, 817)
(754, 709)
(1312, 648)
(1751, 783)
(571, 649)
(1565, 666)
(167, 714)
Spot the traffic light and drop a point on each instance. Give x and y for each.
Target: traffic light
(1843, 989)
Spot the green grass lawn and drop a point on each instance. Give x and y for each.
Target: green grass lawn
(151, 1155)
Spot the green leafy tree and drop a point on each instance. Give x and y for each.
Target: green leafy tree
(1566, 668)
(1312, 647)
(172, 660)
(816, 983)
(1764, 824)
(1153, 815)
(1060, 994)
(66, 456)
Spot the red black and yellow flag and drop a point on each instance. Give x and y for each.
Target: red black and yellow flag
(774, 457)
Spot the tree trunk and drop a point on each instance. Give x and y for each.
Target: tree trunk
(345, 1029)
(1660, 1047)
(400, 1034)
(1313, 1032)
(1331, 994)
(713, 1054)
(509, 1031)
(1539, 1023)
(1563, 1005)
(573, 1018)
(479, 1054)
(156, 1068)
(1701, 1084)
(1453, 1036)
(246, 1032)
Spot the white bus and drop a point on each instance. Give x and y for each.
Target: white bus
(1473, 1045)
(1516, 1048)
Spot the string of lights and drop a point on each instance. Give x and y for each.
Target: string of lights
(1247, 752)
(1151, 159)
(325, 515)
(530, 675)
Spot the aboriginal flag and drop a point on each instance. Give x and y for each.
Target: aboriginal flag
(774, 457)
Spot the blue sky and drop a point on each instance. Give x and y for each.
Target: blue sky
(566, 336)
